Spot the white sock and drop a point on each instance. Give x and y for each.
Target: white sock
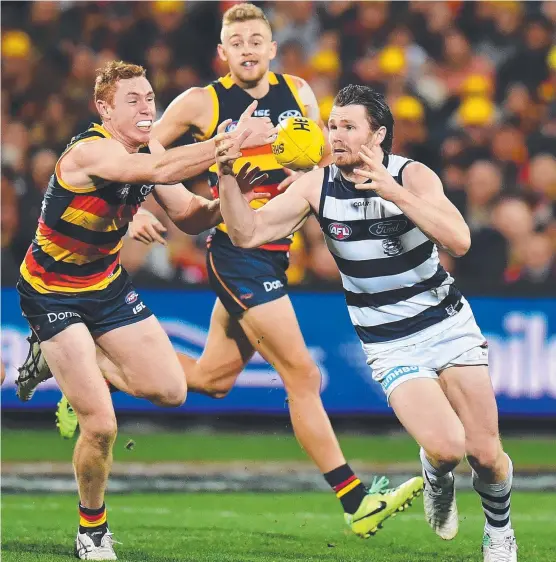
(496, 502)
(434, 474)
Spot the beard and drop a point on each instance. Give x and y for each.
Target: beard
(347, 161)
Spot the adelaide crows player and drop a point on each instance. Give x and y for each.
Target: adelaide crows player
(74, 292)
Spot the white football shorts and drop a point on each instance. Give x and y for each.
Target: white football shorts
(455, 341)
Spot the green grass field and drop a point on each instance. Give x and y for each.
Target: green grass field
(260, 528)
(195, 446)
(257, 527)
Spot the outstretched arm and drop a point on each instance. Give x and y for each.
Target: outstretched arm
(280, 217)
(109, 160)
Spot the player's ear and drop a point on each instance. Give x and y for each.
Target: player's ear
(102, 108)
(379, 136)
(221, 52)
(273, 49)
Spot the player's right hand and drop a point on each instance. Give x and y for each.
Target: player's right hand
(147, 229)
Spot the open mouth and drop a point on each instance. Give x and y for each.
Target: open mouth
(339, 151)
(249, 63)
(144, 125)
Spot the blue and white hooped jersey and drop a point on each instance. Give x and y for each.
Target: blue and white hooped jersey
(393, 282)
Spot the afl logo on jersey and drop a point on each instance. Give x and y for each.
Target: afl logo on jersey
(231, 127)
(339, 231)
(289, 113)
(387, 228)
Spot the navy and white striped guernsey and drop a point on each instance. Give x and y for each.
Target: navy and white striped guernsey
(393, 282)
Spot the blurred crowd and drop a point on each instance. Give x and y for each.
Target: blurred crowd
(472, 86)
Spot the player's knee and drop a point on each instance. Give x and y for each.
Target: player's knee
(447, 451)
(485, 454)
(171, 396)
(99, 430)
(302, 378)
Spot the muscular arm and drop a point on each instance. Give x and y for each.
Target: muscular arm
(424, 203)
(109, 160)
(280, 217)
(188, 110)
(189, 212)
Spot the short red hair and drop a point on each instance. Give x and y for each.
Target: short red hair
(110, 74)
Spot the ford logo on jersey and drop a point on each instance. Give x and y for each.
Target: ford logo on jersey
(289, 113)
(339, 231)
(389, 227)
(231, 127)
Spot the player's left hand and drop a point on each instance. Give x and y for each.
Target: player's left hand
(249, 179)
(382, 182)
(147, 229)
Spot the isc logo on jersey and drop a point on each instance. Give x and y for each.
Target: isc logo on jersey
(339, 231)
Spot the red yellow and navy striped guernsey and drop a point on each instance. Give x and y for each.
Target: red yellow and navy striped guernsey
(229, 102)
(77, 244)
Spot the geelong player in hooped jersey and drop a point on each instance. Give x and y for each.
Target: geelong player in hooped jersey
(383, 218)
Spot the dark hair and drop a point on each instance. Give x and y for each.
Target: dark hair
(378, 112)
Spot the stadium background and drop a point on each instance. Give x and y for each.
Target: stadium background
(473, 89)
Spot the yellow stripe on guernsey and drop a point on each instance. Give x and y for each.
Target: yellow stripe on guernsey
(39, 286)
(61, 254)
(88, 189)
(215, 115)
(348, 488)
(291, 84)
(91, 221)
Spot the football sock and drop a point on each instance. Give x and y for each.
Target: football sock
(434, 474)
(348, 488)
(92, 520)
(496, 501)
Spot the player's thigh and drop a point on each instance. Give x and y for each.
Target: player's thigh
(71, 356)
(469, 390)
(147, 359)
(227, 349)
(274, 331)
(423, 409)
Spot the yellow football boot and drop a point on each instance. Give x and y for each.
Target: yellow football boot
(66, 419)
(380, 503)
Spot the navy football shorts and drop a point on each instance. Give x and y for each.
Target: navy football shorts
(101, 311)
(244, 278)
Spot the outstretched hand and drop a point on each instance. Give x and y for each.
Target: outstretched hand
(249, 179)
(382, 182)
